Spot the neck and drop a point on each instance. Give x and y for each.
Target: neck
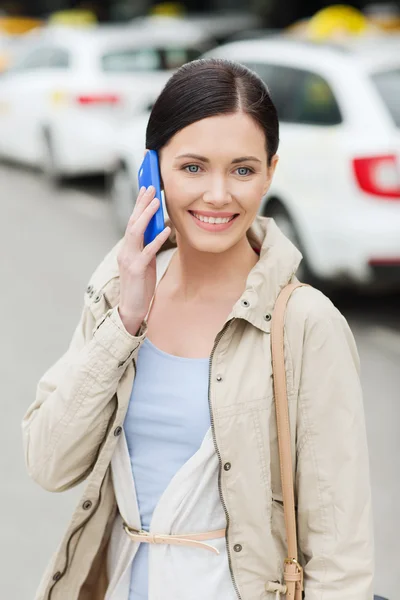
(207, 275)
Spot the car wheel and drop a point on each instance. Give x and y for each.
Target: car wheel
(285, 223)
(123, 196)
(50, 169)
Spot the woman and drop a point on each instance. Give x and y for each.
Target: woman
(164, 402)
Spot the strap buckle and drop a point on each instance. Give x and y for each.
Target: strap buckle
(293, 561)
(298, 577)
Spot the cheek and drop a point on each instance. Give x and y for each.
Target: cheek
(171, 188)
(249, 194)
(179, 190)
(175, 195)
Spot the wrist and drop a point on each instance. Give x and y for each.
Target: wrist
(131, 323)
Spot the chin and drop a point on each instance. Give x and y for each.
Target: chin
(214, 243)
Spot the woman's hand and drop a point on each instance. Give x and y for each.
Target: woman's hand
(137, 263)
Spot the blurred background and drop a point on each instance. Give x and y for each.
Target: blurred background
(77, 81)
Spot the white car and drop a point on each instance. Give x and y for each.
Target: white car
(336, 191)
(61, 102)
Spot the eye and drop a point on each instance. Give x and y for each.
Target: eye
(243, 171)
(192, 168)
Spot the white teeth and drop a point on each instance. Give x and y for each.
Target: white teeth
(215, 220)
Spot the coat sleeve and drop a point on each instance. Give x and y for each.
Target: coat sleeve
(335, 533)
(63, 429)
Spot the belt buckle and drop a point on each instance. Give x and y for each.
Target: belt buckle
(129, 530)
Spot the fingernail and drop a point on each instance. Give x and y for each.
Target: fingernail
(151, 188)
(142, 189)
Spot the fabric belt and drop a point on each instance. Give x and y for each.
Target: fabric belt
(195, 540)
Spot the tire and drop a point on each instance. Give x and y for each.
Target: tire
(285, 223)
(50, 169)
(123, 197)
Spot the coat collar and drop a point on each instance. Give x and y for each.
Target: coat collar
(278, 262)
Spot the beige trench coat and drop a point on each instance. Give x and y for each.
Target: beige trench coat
(71, 430)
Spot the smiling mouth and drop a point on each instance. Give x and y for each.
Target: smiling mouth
(213, 220)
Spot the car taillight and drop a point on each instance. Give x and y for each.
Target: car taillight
(96, 99)
(378, 175)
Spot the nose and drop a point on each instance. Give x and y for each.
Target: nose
(217, 193)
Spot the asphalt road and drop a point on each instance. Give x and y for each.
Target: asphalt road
(51, 242)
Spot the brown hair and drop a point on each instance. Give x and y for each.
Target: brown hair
(209, 87)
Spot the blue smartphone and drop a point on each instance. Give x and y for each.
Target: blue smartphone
(149, 174)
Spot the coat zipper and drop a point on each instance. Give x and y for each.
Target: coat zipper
(217, 340)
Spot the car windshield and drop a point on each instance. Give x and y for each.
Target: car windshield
(147, 59)
(388, 85)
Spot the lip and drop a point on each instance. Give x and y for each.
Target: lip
(216, 215)
(213, 227)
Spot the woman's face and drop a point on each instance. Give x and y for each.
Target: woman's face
(215, 168)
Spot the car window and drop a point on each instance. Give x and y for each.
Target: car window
(44, 58)
(314, 102)
(300, 96)
(131, 60)
(278, 84)
(36, 59)
(59, 58)
(147, 59)
(388, 86)
(173, 58)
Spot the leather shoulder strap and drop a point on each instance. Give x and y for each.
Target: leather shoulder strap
(282, 417)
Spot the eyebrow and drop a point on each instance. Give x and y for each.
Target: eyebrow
(206, 160)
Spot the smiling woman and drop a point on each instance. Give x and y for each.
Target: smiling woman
(165, 398)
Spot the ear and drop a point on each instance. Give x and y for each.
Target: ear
(270, 173)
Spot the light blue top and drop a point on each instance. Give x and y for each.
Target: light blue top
(166, 421)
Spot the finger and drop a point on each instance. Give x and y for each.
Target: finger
(135, 231)
(139, 197)
(151, 249)
(144, 198)
(143, 220)
(141, 193)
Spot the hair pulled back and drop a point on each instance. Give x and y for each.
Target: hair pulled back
(206, 88)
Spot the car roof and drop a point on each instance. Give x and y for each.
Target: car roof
(368, 53)
(86, 44)
(132, 34)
